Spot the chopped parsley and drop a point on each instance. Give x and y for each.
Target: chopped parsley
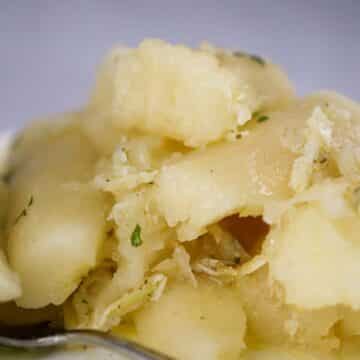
(256, 58)
(24, 211)
(262, 118)
(136, 236)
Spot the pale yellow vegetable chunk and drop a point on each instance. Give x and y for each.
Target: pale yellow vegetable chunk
(315, 258)
(269, 85)
(133, 262)
(350, 324)
(206, 322)
(207, 185)
(286, 353)
(188, 95)
(10, 287)
(271, 321)
(56, 223)
(332, 131)
(4, 199)
(350, 349)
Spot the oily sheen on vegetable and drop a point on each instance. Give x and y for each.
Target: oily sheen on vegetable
(195, 205)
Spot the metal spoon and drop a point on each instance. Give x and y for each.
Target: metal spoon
(124, 347)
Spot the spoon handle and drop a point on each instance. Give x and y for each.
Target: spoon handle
(130, 349)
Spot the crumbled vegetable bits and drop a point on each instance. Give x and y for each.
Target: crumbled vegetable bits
(136, 236)
(25, 210)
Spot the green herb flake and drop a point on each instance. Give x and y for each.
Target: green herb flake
(24, 211)
(257, 59)
(262, 118)
(136, 236)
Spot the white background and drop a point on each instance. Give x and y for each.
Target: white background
(49, 49)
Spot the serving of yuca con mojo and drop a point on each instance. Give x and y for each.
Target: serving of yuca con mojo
(195, 205)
